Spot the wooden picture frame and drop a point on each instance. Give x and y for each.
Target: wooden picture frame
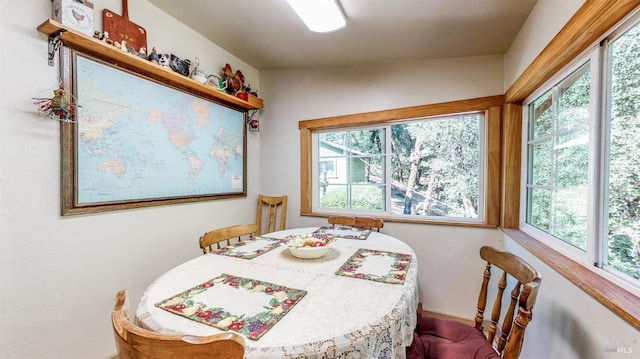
(136, 141)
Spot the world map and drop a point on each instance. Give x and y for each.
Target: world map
(141, 140)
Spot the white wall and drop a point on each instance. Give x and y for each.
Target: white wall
(58, 276)
(568, 322)
(544, 22)
(300, 94)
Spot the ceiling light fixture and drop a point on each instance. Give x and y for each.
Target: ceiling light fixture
(319, 15)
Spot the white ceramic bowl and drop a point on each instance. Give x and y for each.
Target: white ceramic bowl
(298, 251)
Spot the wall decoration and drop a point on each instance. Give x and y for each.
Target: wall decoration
(138, 143)
(62, 105)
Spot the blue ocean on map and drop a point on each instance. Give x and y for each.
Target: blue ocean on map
(141, 140)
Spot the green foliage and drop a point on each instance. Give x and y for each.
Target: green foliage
(624, 151)
(559, 158)
(362, 197)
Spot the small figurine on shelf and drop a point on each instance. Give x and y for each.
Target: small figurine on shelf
(142, 53)
(216, 82)
(198, 74)
(180, 66)
(153, 56)
(164, 60)
(235, 81)
(61, 106)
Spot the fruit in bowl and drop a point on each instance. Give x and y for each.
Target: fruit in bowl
(309, 246)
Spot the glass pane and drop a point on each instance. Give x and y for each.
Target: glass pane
(539, 208)
(365, 142)
(436, 167)
(367, 197)
(571, 155)
(335, 138)
(573, 100)
(541, 116)
(367, 170)
(623, 242)
(540, 163)
(333, 196)
(569, 216)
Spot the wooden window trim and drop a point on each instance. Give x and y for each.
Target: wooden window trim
(493, 111)
(617, 299)
(589, 24)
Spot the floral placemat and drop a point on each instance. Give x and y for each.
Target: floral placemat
(345, 232)
(249, 248)
(378, 266)
(244, 305)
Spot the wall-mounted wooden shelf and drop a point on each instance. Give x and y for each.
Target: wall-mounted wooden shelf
(115, 56)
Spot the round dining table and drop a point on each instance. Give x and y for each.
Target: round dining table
(357, 301)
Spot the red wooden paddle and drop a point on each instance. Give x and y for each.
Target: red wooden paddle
(120, 28)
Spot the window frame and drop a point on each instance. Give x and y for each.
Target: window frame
(589, 25)
(491, 106)
(348, 183)
(596, 245)
(588, 255)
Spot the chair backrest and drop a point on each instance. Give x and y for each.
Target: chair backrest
(133, 342)
(271, 205)
(215, 239)
(373, 224)
(510, 336)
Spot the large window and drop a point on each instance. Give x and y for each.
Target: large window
(582, 150)
(429, 168)
(434, 168)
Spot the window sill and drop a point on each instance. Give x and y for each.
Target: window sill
(620, 301)
(408, 220)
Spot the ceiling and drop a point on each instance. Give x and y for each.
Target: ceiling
(267, 34)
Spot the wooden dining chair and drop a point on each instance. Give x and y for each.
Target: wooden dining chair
(218, 238)
(371, 223)
(134, 342)
(271, 205)
(450, 339)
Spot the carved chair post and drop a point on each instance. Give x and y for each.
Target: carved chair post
(482, 298)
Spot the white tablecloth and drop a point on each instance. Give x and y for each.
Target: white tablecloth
(340, 317)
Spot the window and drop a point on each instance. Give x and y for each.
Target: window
(582, 187)
(622, 150)
(414, 164)
(357, 181)
(558, 159)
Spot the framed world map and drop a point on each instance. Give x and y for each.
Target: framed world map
(137, 142)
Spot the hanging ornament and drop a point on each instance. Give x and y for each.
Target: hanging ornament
(62, 106)
(253, 121)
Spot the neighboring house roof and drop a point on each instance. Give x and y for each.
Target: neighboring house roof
(339, 148)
